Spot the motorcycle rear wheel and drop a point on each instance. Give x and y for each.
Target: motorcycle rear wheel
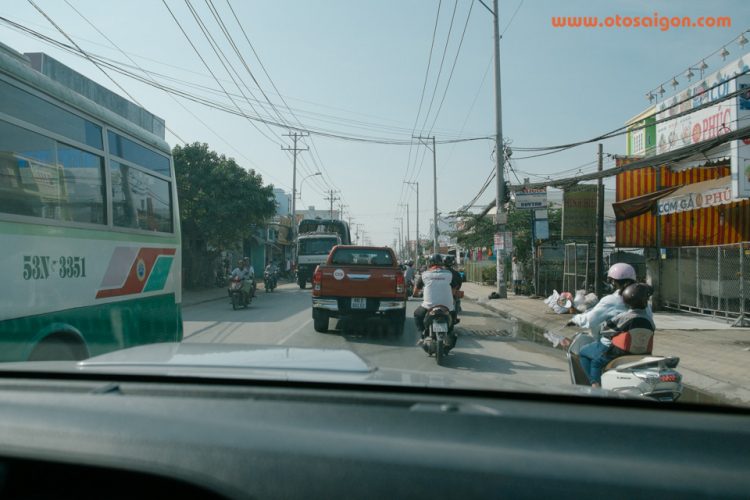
(235, 301)
(439, 352)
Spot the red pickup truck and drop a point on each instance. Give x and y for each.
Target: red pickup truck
(359, 282)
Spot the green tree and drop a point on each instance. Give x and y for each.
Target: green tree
(479, 231)
(220, 203)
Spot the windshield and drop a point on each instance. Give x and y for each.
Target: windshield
(580, 206)
(317, 246)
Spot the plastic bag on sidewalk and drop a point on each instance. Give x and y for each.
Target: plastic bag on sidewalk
(552, 299)
(561, 309)
(589, 301)
(557, 339)
(579, 298)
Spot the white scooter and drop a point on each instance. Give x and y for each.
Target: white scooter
(639, 375)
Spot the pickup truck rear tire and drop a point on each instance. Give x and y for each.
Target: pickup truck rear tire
(398, 321)
(320, 321)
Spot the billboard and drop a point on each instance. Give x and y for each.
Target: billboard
(531, 198)
(579, 212)
(713, 121)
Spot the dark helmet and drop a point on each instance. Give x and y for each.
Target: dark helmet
(449, 260)
(409, 262)
(434, 260)
(635, 296)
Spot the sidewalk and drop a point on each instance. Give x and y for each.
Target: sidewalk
(714, 357)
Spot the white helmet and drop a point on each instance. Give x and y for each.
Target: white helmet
(621, 272)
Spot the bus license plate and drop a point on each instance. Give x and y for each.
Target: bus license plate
(440, 327)
(359, 303)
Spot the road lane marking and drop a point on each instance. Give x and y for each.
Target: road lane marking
(300, 327)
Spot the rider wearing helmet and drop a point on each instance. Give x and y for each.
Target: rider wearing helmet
(449, 261)
(630, 332)
(438, 284)
(409, 272)
(244, 274)
(621, 276)
(252, 274)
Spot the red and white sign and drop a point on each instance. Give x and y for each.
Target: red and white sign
(696, 201)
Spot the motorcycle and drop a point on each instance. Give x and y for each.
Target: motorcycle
(222, 275)
(409, 289)
(642, 375)
(237, 294)
(440, 338)
(269, 280)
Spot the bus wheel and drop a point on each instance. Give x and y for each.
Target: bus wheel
(53, 350)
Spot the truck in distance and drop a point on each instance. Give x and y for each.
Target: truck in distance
(316, 238)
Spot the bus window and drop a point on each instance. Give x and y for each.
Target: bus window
(135, 153)
(139, 200)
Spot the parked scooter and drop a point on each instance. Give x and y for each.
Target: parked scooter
(237, 293)
(269, 280)
(639, 375)
(440, 338)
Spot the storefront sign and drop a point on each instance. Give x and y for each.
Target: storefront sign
(541, 229)
(579, 212)
(695, 201)
(531, 198)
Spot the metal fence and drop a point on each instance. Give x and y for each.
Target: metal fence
(707, 280)
(473, 270)
(568, 267)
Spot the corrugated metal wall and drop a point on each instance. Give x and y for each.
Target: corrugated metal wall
(692, 228)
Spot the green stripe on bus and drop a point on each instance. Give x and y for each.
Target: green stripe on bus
(105, 327)
(159, 274)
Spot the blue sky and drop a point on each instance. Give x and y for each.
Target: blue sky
(358, 68)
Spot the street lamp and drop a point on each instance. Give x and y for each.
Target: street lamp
(303, 181)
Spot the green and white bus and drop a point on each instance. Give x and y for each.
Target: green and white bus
(89, 229)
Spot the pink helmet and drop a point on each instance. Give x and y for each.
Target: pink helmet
(621, 272)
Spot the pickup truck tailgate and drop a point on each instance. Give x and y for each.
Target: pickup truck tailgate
(358, 281)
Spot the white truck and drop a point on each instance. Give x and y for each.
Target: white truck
(316, 239)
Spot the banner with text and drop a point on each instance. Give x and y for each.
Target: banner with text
(531, 198)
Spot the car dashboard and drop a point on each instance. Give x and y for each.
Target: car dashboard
(152, 437)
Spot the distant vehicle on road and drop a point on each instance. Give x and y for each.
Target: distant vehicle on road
(316, 239)
(360, 282)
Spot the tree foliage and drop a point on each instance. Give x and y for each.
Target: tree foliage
(220, 202)
(479, 232)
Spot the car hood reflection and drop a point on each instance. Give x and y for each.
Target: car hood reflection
(299, 364)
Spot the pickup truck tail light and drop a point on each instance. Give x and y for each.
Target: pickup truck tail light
(399, 283)
(317, 280)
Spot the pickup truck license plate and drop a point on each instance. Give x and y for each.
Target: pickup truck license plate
(440, 327)
(359, 303)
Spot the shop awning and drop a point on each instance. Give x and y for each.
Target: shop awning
(698, 195)
(633, 207)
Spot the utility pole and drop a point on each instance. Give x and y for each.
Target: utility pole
(408, 248)
(332, 198)
(416, 248)
(401, 236)
(502, 289)
(434, 186)
(295, 150)
(599, 264)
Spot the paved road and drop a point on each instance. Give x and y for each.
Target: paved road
(284, 318)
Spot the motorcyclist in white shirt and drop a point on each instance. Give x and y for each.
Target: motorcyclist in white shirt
(244, 273)
(252, 275)
(438, 284)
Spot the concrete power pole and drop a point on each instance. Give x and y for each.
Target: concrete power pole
(295, 150)
(502, 289)
(408, 250)
(416, 247)
(434, 187)
(599, 263)
(332, 198)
